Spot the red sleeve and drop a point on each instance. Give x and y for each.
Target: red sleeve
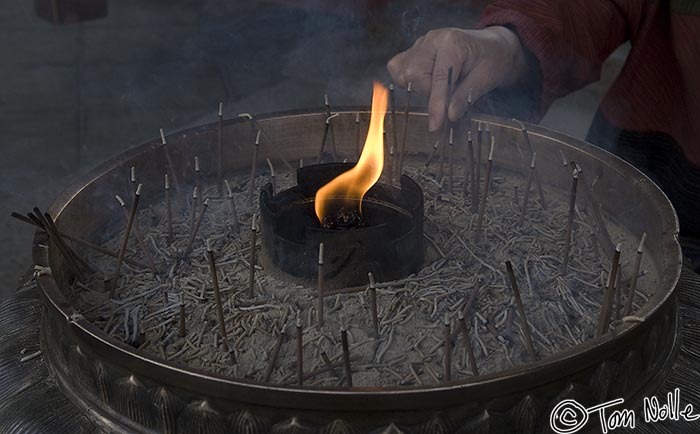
(570, 39)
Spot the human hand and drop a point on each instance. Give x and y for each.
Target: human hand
(482, 60)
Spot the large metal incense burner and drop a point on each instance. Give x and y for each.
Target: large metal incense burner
(127, 390)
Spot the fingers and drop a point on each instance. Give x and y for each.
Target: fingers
(446, 58)
(414, 65)
(478, 82)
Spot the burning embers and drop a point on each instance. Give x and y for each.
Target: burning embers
(364, 226)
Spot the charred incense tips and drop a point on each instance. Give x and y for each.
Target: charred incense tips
(402, 151)
(253, 256)
(169, 161)
(272, 175)
(219, 151)
(330, 126)
(570, 222)
(521, 310)
(235, 227)
(300, 350)
(447, 351)
(217, 296)
(251, 182)
(467, 342)
(487, 182)
(606, 308)
(635, 276)
(168, 209)
(275, 353)
(197, 174)
(357, 134)
(197, 224)
(346, 353)
(373, 304)
(319, 295)
(450, 171)
(528, 187)
(182, 331)
(125, 239)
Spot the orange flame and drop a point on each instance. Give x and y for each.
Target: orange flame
(350, 187)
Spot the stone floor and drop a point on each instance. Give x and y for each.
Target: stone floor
(73, 95)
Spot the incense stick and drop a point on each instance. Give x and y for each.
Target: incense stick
(469, 169)
(402, 152)
(446, 125)
(51, 226)
(618, 293)
(219, 151)
(477, 168)
(468, 343)
(125, 239)
(193, 209)
(447, 351)
(253, 256)
(357, 133)
(300, 350)
(197, 174)
(450, 172)
(394, 127)
(70, 260)
(606, 307)
(235, 226)
(256, 127)
(570, 222)
(273, 356)
(217, 296)
(168, 209)
(328, 128)
(528, 187)
(272, 175)
(319, 295)
(139, 239)
(373, 304)
(487, 182)
(251, 183)
(334, 151)
(538, 183)
(521, 311)
(197, 224)
(635, 275)
(168, 160)
(346, 354)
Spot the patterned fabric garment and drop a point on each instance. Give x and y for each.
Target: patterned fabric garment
(651, 114)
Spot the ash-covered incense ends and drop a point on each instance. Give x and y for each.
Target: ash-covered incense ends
(320, 284)
(464, 326)
(528, 187)
(168, 209)
(346, 353)
(524, 324)
(373, 304)
(125, 239)
(251, 182)
(235, 226)
(570, 222)
(253, 255)
(300, 350)
(447, 351)
(635, 275)
(487, 182)
(609, 294)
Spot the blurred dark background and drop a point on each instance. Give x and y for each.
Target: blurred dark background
(83, 80)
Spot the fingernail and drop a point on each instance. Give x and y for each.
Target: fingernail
(432, 125)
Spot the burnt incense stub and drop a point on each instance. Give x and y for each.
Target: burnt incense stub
(385, 238)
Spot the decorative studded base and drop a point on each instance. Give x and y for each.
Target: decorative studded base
(65, 390)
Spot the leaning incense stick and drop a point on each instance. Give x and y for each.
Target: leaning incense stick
(54, 229)
(217, 296)
(197, 224)
(334, 151)
(487, 182)
(251, 182)
(431, 156)
(528, 187)
(273, 357)
(447, 351)
(300, 350)
(570, 222)
(168, 160)
(235, 226)
(635, 275)
(125, 240)
(71, 260)
(346, 354)
(327, 129)
(272, 175)
(253, 256)
(373, 304)
(402, 152)
(319, 296)
(219, 151)
(521, 310)
(469, 169)
(168, 209)
(139, 239)
(606, 307)
(468, 343)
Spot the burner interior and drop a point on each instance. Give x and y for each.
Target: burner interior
(389, 243)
